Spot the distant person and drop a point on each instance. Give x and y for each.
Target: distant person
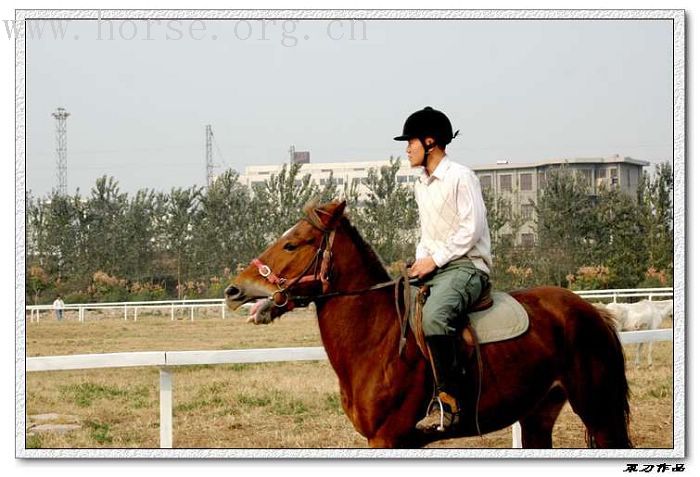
(453, 255)
(58, 306)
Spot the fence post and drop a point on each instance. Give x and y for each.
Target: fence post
(517, 436)
(223, 311)
(191, 313)
(172, 312)
(136, 312)
(125, 311)
(166, 409)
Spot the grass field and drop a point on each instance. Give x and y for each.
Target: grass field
(276, 405)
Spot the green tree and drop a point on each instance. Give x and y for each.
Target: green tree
(565, 225)
(389, 218)
(619, 242)
(222, 232)
(102, 227)
(181, 216)
(278, 202)
(138, 236)
(656, 199)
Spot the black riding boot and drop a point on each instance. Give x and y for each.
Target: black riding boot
(444, 410)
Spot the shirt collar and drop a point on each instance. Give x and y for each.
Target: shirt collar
(439, 173)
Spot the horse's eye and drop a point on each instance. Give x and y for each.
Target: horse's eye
(290, 246)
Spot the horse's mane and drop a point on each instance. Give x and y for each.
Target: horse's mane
(374, 261)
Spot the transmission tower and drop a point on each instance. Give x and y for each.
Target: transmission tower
(61, 150)
(210, 161)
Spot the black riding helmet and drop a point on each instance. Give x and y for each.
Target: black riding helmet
(428, 122)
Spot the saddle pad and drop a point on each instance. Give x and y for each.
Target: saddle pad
(505, 319)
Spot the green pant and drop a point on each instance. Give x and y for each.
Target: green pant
(453, 289)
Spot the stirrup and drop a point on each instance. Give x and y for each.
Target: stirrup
(436, 401)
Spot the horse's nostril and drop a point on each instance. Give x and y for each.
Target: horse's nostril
(231, 291)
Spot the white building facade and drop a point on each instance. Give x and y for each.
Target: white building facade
(518, 183)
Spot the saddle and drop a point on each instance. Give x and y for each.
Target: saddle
(494, 316)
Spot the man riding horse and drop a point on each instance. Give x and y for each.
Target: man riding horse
(453, 256)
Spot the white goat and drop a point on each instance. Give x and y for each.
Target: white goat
(643, 315)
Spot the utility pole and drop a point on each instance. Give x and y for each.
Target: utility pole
(61, 150)
(210, 162)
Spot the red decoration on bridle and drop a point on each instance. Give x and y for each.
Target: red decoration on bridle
(320, 274)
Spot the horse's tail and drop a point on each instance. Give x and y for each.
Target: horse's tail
(597, 385)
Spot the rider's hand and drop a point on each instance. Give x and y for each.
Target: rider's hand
(422, 267)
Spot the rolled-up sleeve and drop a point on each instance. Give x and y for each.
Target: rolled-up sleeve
(472, 221)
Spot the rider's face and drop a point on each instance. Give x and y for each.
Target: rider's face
(416, 152)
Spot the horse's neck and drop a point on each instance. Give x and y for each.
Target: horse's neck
(358, 325)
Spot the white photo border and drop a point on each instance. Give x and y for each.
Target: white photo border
(679, 171)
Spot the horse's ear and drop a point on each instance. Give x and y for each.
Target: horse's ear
(335, 212)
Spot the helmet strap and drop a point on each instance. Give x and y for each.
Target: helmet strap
(426, 152)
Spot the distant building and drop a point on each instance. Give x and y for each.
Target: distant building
(521, 182)
(517, 182)
(343, 173)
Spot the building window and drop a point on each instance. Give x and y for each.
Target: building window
(322, 181)
(401, 179)
(485, 182)
(526, 211)
(506, 182)
(613, 176)
(541, 180)
(600, 173)
(526, 181)
(527, 240)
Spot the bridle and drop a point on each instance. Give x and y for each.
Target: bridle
(321, 263)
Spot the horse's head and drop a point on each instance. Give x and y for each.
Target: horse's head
(292, 270)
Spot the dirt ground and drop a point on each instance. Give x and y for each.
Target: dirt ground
(276, 405)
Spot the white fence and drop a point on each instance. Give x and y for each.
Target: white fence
(648, 293)
(168, 359)
(132, 308)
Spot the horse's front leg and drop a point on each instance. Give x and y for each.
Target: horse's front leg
(636, 355)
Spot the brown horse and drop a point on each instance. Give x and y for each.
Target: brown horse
(570, 351)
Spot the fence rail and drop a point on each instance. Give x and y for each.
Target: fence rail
(166, 360)
(131, 308)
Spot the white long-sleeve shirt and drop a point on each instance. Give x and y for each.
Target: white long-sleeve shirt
(452, 216)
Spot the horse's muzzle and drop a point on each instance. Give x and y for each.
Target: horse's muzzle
(233, 293)
(235, 297)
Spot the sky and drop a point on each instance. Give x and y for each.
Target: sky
(140, 94)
